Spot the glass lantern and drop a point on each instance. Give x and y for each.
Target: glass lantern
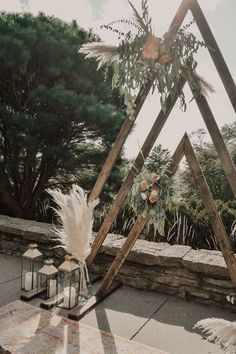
(31, 263)
(68, 282)
(47, 279)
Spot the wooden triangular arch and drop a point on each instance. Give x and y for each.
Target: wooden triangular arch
(220, 65)
(184, 148)
(206, 113)
(219, 144)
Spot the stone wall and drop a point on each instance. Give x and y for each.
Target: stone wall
(17, 234)
(192, 274)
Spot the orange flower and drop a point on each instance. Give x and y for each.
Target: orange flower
(154, 178)
(143, 185)
(152, 198)
(151, 50)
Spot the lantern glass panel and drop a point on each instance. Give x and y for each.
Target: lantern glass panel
(68, 284)
(47, 279)
(42, 281)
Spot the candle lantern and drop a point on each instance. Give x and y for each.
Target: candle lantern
(68, 282)
(31, 263)
(47, 279)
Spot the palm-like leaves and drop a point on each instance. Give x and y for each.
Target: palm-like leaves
(138, 19)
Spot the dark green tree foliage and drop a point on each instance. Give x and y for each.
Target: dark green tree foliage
(211, 165)
(58, 117)
(188, 221)
(158, 159)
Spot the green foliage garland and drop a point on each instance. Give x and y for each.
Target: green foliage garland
(143, 58)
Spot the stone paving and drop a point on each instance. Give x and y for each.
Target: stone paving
(160, 321)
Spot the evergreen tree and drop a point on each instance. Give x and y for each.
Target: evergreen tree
(211, 165)
(58, 117)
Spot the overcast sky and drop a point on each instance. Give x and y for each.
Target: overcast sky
(221, 18)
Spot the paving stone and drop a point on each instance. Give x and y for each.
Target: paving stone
(10, 267)
(10, 291)
(171, 328)
(124, 311)
(161, 321)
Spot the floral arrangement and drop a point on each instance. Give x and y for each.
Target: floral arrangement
(142, 58)
(150, 196)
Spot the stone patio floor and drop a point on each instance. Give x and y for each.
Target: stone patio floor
(160, 321)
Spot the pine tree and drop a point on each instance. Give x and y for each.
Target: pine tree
(58, 117)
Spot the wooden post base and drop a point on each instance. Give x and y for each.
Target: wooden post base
(81, 310)
(57, 300)
(52, 302)
(30, 295)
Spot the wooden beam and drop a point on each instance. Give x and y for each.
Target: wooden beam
(179, 16)
(137, 166)
(211, 208)
(218, 141)
(118, 144)
(136, 230)
(32, 294)
(121, 256)
(128, 124)
(214, 51)
(176, 157)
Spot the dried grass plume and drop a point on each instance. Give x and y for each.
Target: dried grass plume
(220, 331)
(76, 215)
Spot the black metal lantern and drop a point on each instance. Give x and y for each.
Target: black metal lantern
(68, 282)
(31, 263)
(47, 279)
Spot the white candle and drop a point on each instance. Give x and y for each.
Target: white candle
(69, 297)
(52, 287)
(28, 280)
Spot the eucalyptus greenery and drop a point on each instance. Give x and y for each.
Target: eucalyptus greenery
(150, 195)
(143, 58)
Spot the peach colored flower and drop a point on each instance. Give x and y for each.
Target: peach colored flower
(151, 50)
(154, 178)
(152, 198)
(143, 185)
(154, 193)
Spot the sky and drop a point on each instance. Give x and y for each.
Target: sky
(93, 13)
